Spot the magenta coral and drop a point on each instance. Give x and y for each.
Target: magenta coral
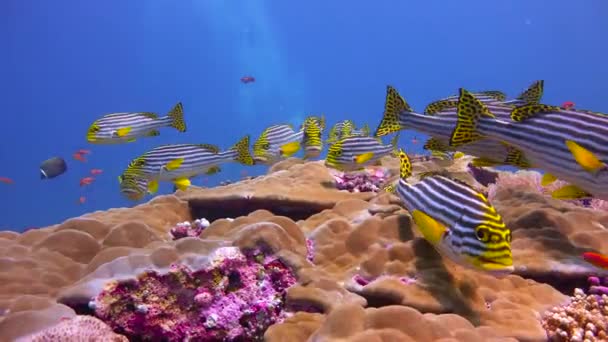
(187, 229)
(79, 328)
(361, 181)
(237, 297)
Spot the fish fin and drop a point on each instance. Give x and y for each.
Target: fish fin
(405, 165)
(390, 188)
(495, 94)
(434, 144)
(122, 132)
(438, 106)
(516, 157)
(430, 228)
(458, 155)
(174, 164)
(242, 149)
(547, 179)
(131, 140)
(585, 158)
(362, 158)
(120, 178)
(149, 115)
(524, 112)
(213, 170)
(423, 175)
(209, 147)
(153, 133)
(177, 116)
(182, 183)
(534, 93)
(365, 131)
(153, 186)
(468, 111)
(484, 162)
(290, 148)
(393, 105)
(570, 191)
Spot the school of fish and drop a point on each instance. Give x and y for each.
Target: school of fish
(562, 142)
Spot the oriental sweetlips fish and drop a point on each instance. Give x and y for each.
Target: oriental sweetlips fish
(177, 163)
(399, 115)
(313, 136)
(133, 187)
(346, 128)
(457, 220)
(354, 153)
(277, 142)
(568, 144)
(117, 128)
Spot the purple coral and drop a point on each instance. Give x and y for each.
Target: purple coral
(187, 229)
(361, 181)
(310, 250)
(236, 297)
(482, 175)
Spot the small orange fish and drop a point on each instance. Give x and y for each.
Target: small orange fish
(596, 259)
(6, 180)
(82, 199)
(96, 171)
(79, 157)
(86, 181)
(568, 104)
(84, 151)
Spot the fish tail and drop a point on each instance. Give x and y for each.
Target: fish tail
(177, 117)
(469, 110)
(242, 151)
(405, 165)
(393, 105)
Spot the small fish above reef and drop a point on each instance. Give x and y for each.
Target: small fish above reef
(117, 128)
(6, 180)
(354, 153)
(596, 259)
(247, 79)
(277, 142)
(457, 220)
(346, 128)
(568, 105)
(313, 136)
(52, 168)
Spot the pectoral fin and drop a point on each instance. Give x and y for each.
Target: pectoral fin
(174, 164)
(430, 228)
(182, 183)
(362, 158)
(122, 132)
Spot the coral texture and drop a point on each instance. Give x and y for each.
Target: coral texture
(335, 266)
(361, 181)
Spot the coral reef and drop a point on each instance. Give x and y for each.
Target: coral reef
(235, 297)
(185, 229)
(288, 256)
(78, 328)
(361, 181)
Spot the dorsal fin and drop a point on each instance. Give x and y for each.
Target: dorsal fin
(150, 115)
(209, 147)
(524, 112)
(438, 106)
(533, 94)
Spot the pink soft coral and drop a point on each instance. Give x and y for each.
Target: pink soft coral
(361, 181)
(79, 328)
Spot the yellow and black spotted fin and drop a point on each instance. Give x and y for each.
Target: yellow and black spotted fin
(533, 94)
(393, 105)
(210, 148)
(434, 144)
(469, 110)
(177, 114)
(524, 112)
(440, 105)
(405, 165)
(242, 149)
(516, 157)
(153, 133)
(150, 115)
(390, 188)
(213, 170)
(485, 162)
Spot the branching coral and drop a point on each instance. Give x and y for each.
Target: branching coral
(186, 229)
(361, 181)
(236, 297)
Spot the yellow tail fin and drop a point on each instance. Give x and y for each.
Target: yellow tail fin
(393, 105)
(469, 111)
(405, 165)
(242, 148)
(177, 114)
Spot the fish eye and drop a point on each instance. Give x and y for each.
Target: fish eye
(483, 234)
(266, 146)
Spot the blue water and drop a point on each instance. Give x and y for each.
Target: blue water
(66, 63)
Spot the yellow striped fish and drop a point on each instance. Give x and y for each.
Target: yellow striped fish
(457, 220)
(277, 142)
(568, 144)
(354, 153)
(313, 136)
(178, 163)
(398, 115)
(133, 187)
(346, 128)
(117, 128)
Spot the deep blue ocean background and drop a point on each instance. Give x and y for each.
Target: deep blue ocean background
(66, 63)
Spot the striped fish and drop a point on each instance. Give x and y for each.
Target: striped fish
(120, 128)
(313, 136)
(457, 220)
(532, 94)
(346, 128)
(277, 142)
(399, 115)
(133, 187)
(354, 153)
(570, 144)
(177, 163)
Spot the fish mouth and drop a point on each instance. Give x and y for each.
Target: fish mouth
(495, 268)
